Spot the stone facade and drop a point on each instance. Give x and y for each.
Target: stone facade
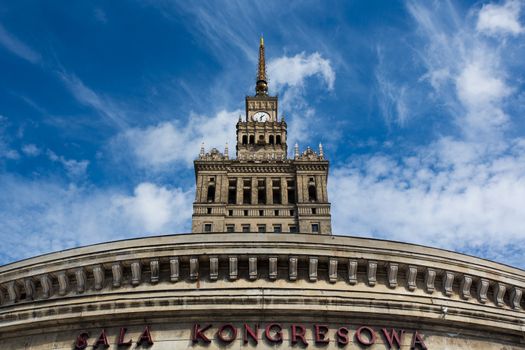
(171, 283)
(261, 190)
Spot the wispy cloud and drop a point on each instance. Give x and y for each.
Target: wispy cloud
(17, 47)
(88, 97)
(463, 190)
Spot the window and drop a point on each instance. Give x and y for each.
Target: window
(292, 212)
(246, 213)
(207, 227)
(290, 184)
(230, 228)
(244, 139)
(314, 210)
(261, 212)
(271, 139)
(292, 228)
(315, 228)
(312, 193)
(261, 191)
(261, 139)
(211, 193)
(252, 139)
(261, 228)
(232, 191)
(208, 210)
(247, 191)
(245, 228)
(277, 228)
(276, 212)
(276, 191)
(230, 212)
(278, 139)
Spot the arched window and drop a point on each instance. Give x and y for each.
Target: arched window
(244, 139)
(312, 193)
(278, 139)
(211, 193)
(271, 139)
(252, 139)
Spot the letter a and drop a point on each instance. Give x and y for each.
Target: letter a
(417, 340)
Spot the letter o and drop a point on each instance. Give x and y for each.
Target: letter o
(365, 341)
(232, 331)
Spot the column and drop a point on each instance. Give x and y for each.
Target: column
(239, 190)
(284, 191)
(269, 192)
(255, 199)
(198, 189)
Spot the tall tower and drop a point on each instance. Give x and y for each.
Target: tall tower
(261, 190)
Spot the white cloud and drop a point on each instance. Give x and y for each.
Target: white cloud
(496, 19)
(31, 150)
(172, 142)
(153, 207)
(43, 216)
(17, 47)
(447, 194)
(293, 71)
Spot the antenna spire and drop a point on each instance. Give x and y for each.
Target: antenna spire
(261, 87)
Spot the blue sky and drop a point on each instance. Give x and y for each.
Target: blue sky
(419, 105)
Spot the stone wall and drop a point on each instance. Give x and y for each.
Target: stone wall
(171, 282)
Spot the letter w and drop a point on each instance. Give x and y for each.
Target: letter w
(394, 338)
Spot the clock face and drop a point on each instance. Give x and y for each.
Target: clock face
(261, 117)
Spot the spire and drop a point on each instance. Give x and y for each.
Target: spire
(226, 155)
(321, 153)
(261, 87)
(201, 153)
(296, 151)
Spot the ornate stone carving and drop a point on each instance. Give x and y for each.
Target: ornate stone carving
(213, 155)
(174, 269)
(464, 288)
(194, 268)
(98, 276)
(116, 270)
(515, 298)
(63, 283)
(312, 268)
(29, 286)
(252, 268)
(13, 293)
(430, 278)
(352, 271)
(499, 293)
(448, 281)
(411, 277)
(214, 268)
(483, 287)
(47, 286)
(154, 270)
(371, 273)
(392, 269)
(292, 263)
(136, 273)
(332, 270)
(81, 279)
(234, 271)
